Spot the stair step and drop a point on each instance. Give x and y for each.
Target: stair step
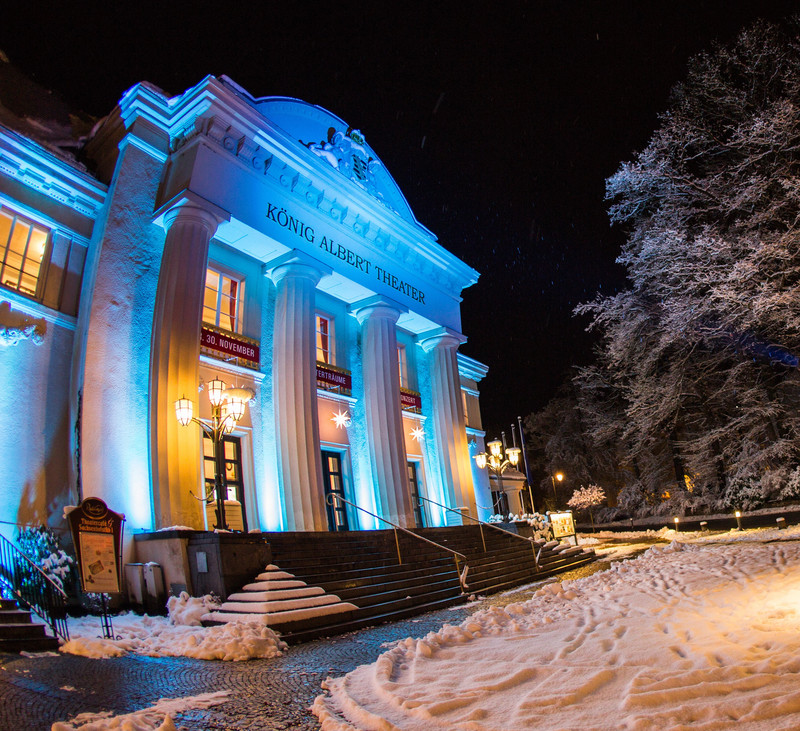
(14, 616)
(29, 644)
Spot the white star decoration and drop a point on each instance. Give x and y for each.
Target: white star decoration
(341, 419)
(417, 434)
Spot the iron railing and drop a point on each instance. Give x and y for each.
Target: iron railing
(462, 574)
(482, 523)
(33, 587)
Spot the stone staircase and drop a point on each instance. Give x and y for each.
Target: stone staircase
(361, 569)
(19, 633)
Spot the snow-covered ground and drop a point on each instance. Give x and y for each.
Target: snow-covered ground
(178, 635)
(703, 633)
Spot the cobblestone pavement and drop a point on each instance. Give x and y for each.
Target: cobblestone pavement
(266, 695)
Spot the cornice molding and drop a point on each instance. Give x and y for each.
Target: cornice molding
(31, 165)
(215, 113)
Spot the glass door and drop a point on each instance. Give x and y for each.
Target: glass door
(334, 484)
(416, 502)
(232, 483)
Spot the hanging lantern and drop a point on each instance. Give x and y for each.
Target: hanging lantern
(183, 410)
(227, 418)
(495, 448)
(237, 399)
(513, 454)
(480, 460)
(216, 391)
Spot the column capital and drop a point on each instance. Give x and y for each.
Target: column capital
(376, 306)
(191, 210)
(441, 337)
(296, 264)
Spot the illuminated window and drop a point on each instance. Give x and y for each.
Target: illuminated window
(222, 301)
(24, 246)
(402, 363)
(324, 340)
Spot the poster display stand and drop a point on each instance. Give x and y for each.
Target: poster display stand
(97, 536)
(563, 524)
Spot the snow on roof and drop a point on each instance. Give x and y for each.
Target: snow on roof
(343, 147)
(41, 115)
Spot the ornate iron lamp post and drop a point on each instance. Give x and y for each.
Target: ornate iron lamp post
(497, 460)
(227, 407)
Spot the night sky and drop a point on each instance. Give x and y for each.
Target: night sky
(499, 121)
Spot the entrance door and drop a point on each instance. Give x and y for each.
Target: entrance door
(334, 484)
(232, 482)
(416, 502)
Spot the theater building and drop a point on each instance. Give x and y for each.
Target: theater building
(257, 241)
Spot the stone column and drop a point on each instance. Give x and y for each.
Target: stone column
(294, 383)
(449, 430)
(377, 317)
(174, 369)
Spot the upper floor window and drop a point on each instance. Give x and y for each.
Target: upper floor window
(24, 246)
(222, 301)
(402, 363)
(324, 339)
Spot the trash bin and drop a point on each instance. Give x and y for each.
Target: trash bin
(155, 599)
(134, 581)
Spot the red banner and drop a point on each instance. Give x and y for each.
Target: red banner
(334, 378)
(230, 345)
(410, 401)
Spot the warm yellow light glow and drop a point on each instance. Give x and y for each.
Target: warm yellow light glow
(677, 520)
(216, 390)
(227, 419)
(237, 399)
(559, 476)
(183, 410)
(495, 447)
(738, 513)
(480, 460)
(513, 454)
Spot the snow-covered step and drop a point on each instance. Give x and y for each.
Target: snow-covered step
(275, 575)
(278, 618)
(275, 594)
(279, 606)
(270, 585)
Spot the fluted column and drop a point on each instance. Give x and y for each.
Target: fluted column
(294, 379)
(174, 362)
(449, 430)
(384, 419)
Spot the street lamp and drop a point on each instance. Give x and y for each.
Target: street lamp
(557, 476)
(497, 460)
(227, 408)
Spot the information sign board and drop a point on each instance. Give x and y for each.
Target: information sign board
(97, 535)
(563, 524)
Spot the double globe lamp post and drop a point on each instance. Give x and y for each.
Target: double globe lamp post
(497, 460)
(227, 408)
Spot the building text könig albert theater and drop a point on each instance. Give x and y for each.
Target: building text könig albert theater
(257, 241)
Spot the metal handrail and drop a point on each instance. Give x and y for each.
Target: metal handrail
(461, 575)
(482, 523)
(33, 587)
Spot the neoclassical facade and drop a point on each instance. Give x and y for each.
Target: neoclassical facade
(261, 242)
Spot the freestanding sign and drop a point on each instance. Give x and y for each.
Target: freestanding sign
(563, 524)
(97, 535)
